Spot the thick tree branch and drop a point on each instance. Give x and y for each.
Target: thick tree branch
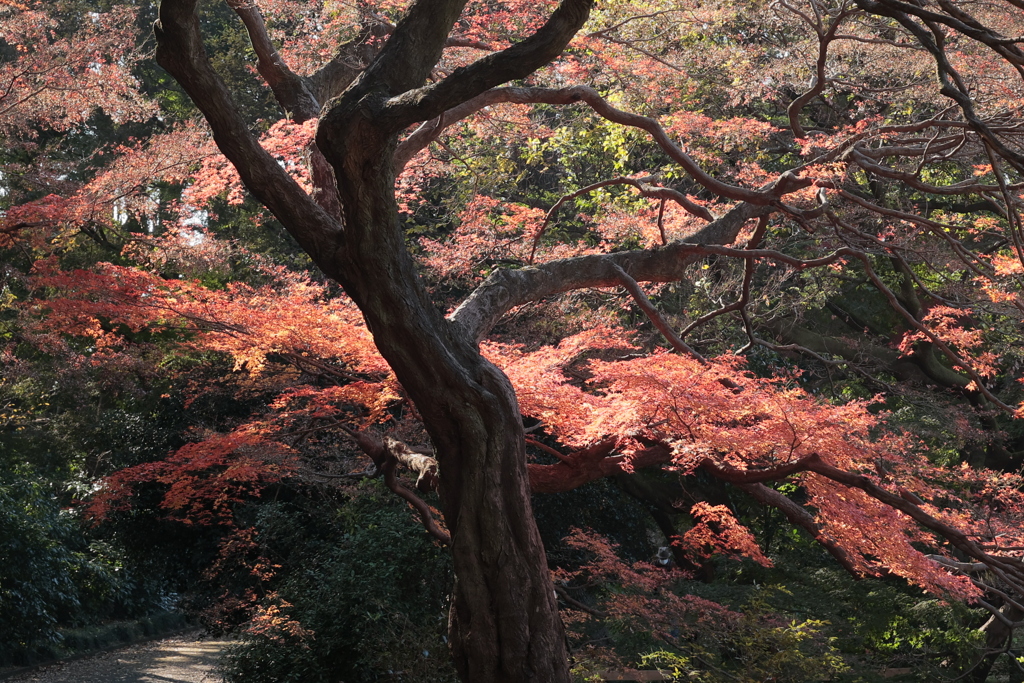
(596, 462)
(591, 464)
(180, 51)
(290, 89)
(506, 289)
(515, 62)
(415, 45)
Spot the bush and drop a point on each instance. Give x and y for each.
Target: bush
(360, 597)
(49, 575)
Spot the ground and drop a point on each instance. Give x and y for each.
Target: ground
(185, 658)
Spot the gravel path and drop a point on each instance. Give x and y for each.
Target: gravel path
(184, 658)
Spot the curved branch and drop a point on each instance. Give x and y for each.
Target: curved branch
(515, 62)
(506, 289)
(820, 77)
(762, 197)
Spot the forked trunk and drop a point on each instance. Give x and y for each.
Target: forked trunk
(504, 622)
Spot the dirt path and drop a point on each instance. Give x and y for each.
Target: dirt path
(183, 658)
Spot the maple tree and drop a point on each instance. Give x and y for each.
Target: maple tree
(796, 158)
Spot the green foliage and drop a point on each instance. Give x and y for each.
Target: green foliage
(360, 596)
(759, 649)
(873, 625)
(50, 576)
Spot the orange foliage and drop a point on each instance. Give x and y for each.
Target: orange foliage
(203, 480)
(717, 531)
(291, 315)
(715, 412)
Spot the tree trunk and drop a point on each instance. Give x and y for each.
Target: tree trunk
(504, 623)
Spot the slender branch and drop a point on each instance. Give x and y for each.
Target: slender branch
(655, 315)
(803, 519)
(645, 189)
(572, 602)
(820, 78)
(550, 451)
(939, 343)
(765, 196)
(748, 275)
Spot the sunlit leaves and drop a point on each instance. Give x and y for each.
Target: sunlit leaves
(57, 82)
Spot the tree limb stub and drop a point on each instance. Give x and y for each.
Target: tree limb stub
(387, 449)
(426, 516)
(424, 465)
(387, 453)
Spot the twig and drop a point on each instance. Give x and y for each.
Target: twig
(656, 317)
(564, 594)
